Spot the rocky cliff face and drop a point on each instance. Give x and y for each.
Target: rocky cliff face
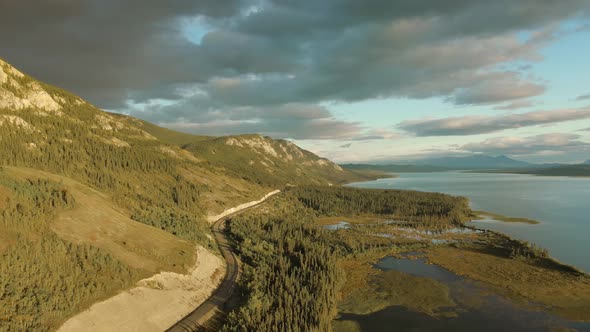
(19, 92)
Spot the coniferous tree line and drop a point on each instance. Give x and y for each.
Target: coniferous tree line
(290, 277)
(433, 208)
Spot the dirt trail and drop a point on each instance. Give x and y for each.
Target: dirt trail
(195, 321)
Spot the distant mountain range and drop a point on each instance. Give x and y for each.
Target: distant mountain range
(394, 168)
(478, 163)
(474, 162)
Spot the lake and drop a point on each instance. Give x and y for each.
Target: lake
(561, 204)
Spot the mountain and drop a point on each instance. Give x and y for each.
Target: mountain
(45, 127)
(474, 162)
(91, 202)
(394, 168)
(578, 170)
(587, 162)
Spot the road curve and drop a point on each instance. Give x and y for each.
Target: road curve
(196, 319)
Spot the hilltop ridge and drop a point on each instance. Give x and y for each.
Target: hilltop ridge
(48, 128)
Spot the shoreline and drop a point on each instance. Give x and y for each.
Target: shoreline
(508, 267)
(555, 288)
(555, 220)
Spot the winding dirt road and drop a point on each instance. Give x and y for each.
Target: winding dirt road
(197, 319)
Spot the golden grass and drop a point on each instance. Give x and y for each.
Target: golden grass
(4, 197)
(96, 221)
(228, 192)
(6, 240)
(346, 326)
(368, 290)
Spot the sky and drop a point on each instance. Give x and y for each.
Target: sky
(353, 81)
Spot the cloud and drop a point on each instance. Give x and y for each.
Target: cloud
(498, 89)
(473, 124)
(293, 121)
(539, 145)
(515, 105)
(107, 50)
(583, 97)
(250, 58)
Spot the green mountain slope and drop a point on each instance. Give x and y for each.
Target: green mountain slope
(77, 183)
(50, 129)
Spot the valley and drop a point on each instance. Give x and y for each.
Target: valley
(109, 222)
(95, 204)
(489, 280)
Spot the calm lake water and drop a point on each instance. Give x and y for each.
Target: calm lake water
(561, 204)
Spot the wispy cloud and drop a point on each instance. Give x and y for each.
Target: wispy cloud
(472, 125)
(552, 144)
(515, 105)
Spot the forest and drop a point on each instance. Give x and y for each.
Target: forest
(44, 278)
(424, 207)
(69, 146)
(291, 280)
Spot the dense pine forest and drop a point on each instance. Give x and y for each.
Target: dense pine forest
(291, 278)
(424, 207)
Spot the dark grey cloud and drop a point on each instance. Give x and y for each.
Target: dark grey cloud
(257, 57)
(544, 146)
(106, 50)
(583, 97)
(293, 121)
(473, 125)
